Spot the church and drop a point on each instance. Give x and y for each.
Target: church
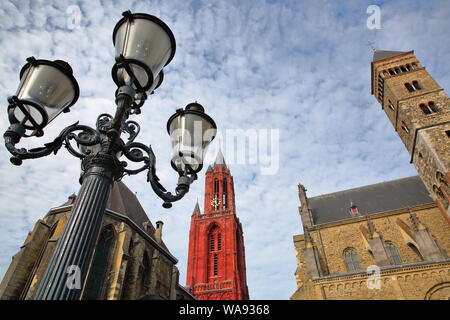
(389, 240)
(216, 259)
(130, 262)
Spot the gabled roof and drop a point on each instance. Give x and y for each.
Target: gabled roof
(371, 199)
(381, 54)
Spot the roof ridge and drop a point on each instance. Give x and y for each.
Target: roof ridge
(362, 187)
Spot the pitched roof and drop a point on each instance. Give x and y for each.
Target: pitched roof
(371, 199)
(381, 54)
(196, 208)
(123, 200)
(220, 160)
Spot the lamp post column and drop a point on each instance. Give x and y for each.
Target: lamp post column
(67, 270)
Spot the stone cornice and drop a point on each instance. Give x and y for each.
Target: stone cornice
(386, 271)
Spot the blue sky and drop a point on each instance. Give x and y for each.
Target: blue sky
(302, 67)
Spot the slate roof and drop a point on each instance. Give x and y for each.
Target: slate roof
(380, 54)
(122, 200)
(371, 199)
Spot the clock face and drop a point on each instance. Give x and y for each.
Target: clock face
(215, 202)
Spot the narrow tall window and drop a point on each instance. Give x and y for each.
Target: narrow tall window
(405, 127)
(145, 274)
(403, 69)
(351, 260)
(219, 242)
(416, 85)
(224, 195)
(216, 264)
(392, 252)
(391, 106)
(211, 242)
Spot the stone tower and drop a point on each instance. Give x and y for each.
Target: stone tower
(419, 110)
(216, 260)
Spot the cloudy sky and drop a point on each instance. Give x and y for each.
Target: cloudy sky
(301, 67)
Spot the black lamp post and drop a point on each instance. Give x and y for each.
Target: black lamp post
(144, 45)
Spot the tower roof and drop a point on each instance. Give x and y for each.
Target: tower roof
(220, 160)
(381, 54)
(196, 209)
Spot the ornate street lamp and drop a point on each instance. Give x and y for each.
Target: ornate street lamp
(144, 45)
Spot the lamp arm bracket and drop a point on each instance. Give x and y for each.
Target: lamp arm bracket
(184, 182)
(87, 137)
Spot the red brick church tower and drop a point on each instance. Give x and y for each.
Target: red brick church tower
(216, 260)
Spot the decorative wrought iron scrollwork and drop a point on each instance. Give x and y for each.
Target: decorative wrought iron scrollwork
(132, 128)
(89, 137)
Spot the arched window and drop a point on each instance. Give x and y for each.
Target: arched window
(403, 69)
(392, 252)
(351, 260)
(416, 251)
(97, 279)
(416, 85)
(391, 72)
(408, 67)
(425, 109)
(397, 70)
(409, 87)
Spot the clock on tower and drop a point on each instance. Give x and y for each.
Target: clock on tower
(216, 259)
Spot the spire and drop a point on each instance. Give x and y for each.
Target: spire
(380, 54)
(220, 160)
(196, 209)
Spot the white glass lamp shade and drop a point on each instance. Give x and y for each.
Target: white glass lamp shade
(191, 131)
(144, 44)
(46, 89)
